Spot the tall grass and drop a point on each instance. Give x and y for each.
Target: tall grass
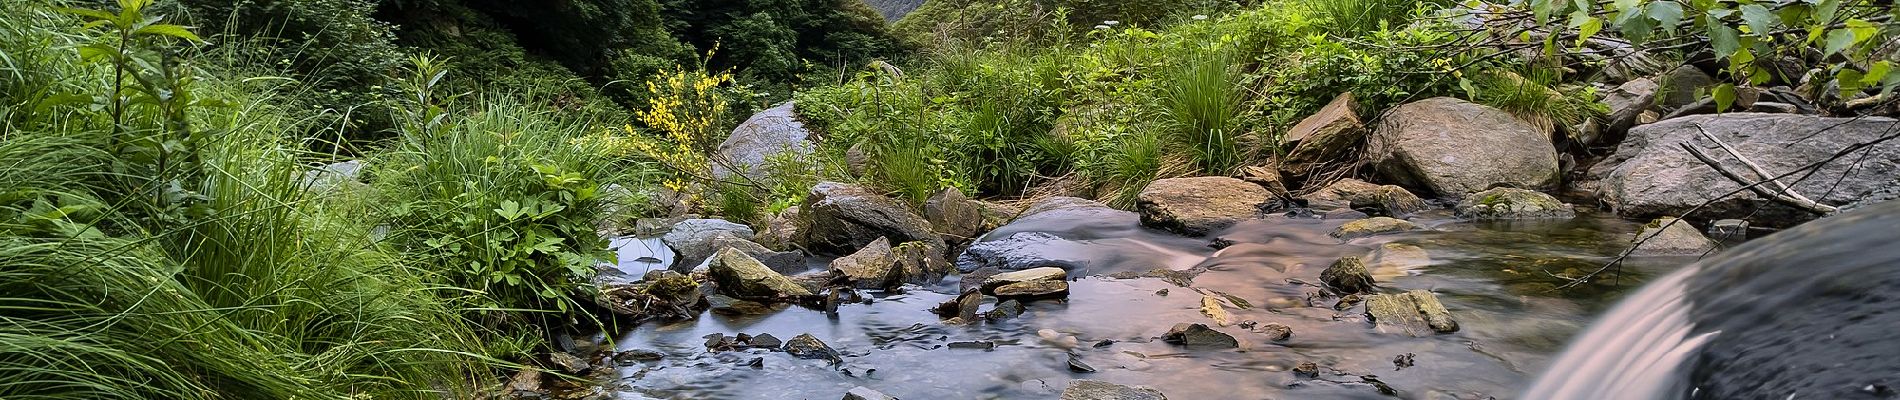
(1202, 104)
(221, 278)
(1351, 18)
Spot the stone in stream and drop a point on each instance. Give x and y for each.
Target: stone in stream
(868, 268)
(1729, 232)
(764, 341)
(865, 393)
(726, 305)
(1076, 365)
(1417, 313)
(1397, 259)
(1353, 194)
(1324, 137)
(809, 347)
(842, 218)
(694, 241)
(955, 216)
(1032, 289)
(740, 276)
(1027, 275)
(1199, 336)
(1277, 332)
(916, 263)
(637, 355)
(1020, 251)
(1090, 389)
(973, 344)
(1212, 309)
(568, 362)
(1373, 226)
(1451, 147)
(1348, 275)
(1005, 309)
(1670, 237)
(1650, 175)
(1201, 205)
(1512, 203)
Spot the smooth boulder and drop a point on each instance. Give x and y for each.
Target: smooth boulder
(694, 239)
(1201, 205)
(841, 218)
(1670, 236)
(1651, 175)
(771, 133)
(1451, 147)
(1354, 194)
(1417, 313)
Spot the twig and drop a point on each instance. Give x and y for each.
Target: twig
(1802, 201)
(1808, 205)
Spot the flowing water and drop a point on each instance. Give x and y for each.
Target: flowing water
(1498, 280)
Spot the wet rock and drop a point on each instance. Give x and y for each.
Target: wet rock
(809, 347)
(1199, 336)
(1511, 203)
(1403, 361)
(1347, 302)
(918, 264)
(1029, 275)
(1277, 332)
(568, 362)
(764, 341)
(972, 281)
(1353, 194)
(963, 307)
(785, 262)
(696, 239)
(767, 134)
(717, 342)
(637, 355)
(1417, 313)
(1032, 290)
(1324, 137)
(1201, 205)
(660, 294)
(1650, 175)
(1076, 365)
(1212, 308)
(1019, 251)
(1670, 237)
(740, 276)
(1089, 389)
(1397, 259)
(1452, 147)
(1348, 275)
(841, 218)
(957, 217)
(1306, 370)
(1004, 310)
(782, 231)
(865, 393)
(1374, 226)
(869, 268)
(729, 306)
(973, 344)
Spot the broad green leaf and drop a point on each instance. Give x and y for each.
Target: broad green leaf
(1849, 79)
(1726, 40)
(1637, 29)
(1590, 27)
(1666, 13)
(1542, 9)
(1824, 11)
(90, 14)
(1876, 73)
(1760, 20)
(1837, 40)
(170, 30)
(1724, 96)
(1863, 30)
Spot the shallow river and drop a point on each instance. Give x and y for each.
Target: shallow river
(1497, 279)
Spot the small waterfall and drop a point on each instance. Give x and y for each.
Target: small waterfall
(1634, 352)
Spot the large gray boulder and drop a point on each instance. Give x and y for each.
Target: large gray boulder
(842, 218)
(766, 134)
(1201, 205)
(1650, 175)
(695, 240)
(1451, 147)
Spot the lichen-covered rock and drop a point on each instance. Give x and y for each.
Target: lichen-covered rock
(1199, 336)
(1089, 389)
(1324, 137)
(841, 218)
(1028, 275)
(1452, 147)
(1354, 194)
(1348, 275)
(1374, 226)
(1670, 237)
(1513, 203)
(1199, 206)
(740, 276)
(1417, 313)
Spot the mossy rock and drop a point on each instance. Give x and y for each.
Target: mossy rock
(1512, 203)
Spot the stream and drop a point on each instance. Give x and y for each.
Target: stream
(1498, 279)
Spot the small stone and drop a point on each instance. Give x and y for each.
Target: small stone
(1403, 361)
(809, 347)
(638, 355)
(1076, 365)
(1277, 332)
(728, 306)
(1027, 275)
(967, 305)
(1212, 308)
(1374, 226)
(568, 362)
(1199, 336)
(868, 268)
(1668, 236)
(1089, 389)
(865, 393)
(1033, 289)
(1347, 302)
(1248, 325)
(765, 341)
(1220, 243)
(1005, 310)
(1729, 231)
(1417, 313)
(528, 380)
(1163, 292)
(1104, 343)
(1511, 203)
(1307, 370)
(1348, 275)
(756, 363)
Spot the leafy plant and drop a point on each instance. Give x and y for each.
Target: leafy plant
(1202, 101)
(1539, 98)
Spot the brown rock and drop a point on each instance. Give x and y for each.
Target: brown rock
(1199, 206)
(1324, 137)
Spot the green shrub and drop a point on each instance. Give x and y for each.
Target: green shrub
(1203, 104)
(1350, 18)
(502, 195)
(1538, 97)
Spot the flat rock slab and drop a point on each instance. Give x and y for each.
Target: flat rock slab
(1090, 389)
(1374, 226)
(1417, 313)
(1201, 205)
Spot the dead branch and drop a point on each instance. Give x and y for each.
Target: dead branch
(1762, 172)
